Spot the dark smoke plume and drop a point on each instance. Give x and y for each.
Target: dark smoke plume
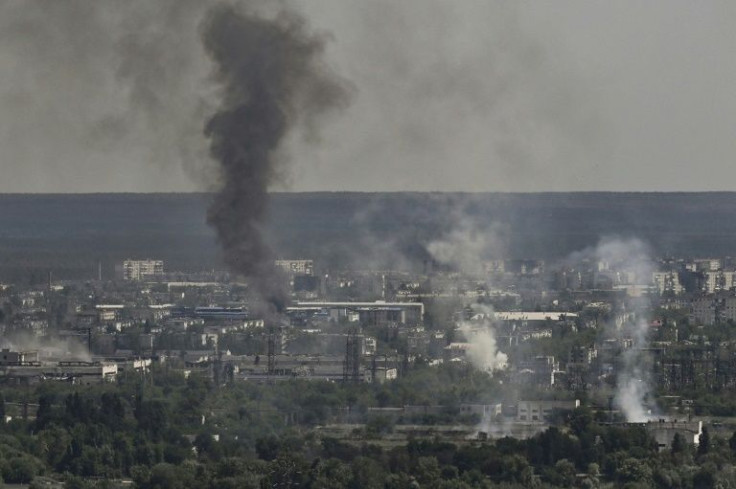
(273, 81)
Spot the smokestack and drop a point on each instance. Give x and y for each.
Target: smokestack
(272, 81)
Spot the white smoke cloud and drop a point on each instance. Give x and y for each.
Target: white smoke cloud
(626, 255)
(632, 389)
(467, 244)
(483, 352)
(68, 349)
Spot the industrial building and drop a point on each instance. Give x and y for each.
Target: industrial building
(664, 431)
(543, 410)
(377, 313)
(23, 368)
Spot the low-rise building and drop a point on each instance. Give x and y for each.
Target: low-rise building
(9, 358)
(541, 411)
(83, 373)
(664, 431)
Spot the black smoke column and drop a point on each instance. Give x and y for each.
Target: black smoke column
(272, 81)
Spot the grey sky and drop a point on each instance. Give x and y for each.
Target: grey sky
(449, 95)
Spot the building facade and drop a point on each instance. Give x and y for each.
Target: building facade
(296, 267)
(142, 269)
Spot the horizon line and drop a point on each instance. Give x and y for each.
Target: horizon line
(387, 192)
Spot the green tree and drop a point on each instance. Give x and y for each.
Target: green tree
(53, 444)
(564, 471)
(634, 470)
(704, 479)
(152, 417)
(22, 469)
(207, 446)
(401, 480)
(167, 476)
(427, 471)
(667, 478)
(704, 443)
(288, 470)
(678, 444)
(332, 474)
(268, 447)
(367, 474)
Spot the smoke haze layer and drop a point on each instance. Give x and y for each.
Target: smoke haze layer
(108, 95)
(272, 82)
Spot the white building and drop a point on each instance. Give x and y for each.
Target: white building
(668, 283)
(705, 265)
(542, 410)
(82, 373)
(718, 281)
(142, 269)
(525, 318)
(296, 267)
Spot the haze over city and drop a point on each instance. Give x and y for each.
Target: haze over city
(323, 244)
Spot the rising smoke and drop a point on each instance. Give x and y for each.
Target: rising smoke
(631, 257)
(467, 245)
(120, 90)
(273, 82)
(68, 349)
(633, 384)
(109, 95)
(480, 334)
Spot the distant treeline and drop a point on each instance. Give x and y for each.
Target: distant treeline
(70, 234)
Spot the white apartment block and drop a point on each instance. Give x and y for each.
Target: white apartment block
(667, 283)
(718, 281)
(142, 269)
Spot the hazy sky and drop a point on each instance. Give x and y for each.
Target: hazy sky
(447, 95)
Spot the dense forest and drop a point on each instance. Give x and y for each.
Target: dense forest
(163, 431)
